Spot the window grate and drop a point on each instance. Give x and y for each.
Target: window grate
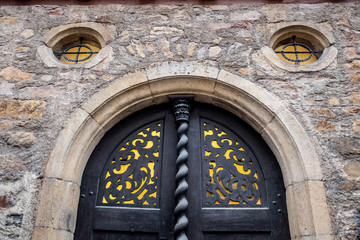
(77, 53)
(297, 52)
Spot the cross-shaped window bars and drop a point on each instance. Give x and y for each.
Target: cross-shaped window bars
(77, 53)
(297, 52)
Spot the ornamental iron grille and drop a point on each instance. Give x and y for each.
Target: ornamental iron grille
(130, 176)
(78, 53)
(231, 174)
(297, 53)
(194, 173)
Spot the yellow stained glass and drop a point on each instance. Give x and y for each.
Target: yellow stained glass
(303, 53)
(87, 52)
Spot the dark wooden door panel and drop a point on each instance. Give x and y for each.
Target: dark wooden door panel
(106, 235)
(237, 236)
(111, 218)
(234, 220)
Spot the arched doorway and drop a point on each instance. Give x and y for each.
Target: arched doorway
(295, 151)
(234, 184)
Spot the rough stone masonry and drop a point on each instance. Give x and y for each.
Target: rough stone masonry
(36, 101)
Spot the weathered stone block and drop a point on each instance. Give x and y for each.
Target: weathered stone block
(21, 109)
(356, 126)
(322, 112)
(245, 16)
(41, 92)
(63, 198)
(13, 73)
(346, 145)
(20, 139)
(325, 126)
(27, 33)
(354, 77)
(166, 30)
(11, 168)
(9, 20)
(214, 51)
(355, 65)
(352, 169)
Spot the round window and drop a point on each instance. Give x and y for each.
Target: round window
(299, 47)
(75, 50)
(297, 51)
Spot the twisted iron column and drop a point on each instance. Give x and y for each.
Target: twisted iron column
(181, 106)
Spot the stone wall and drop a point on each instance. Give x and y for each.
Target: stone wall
(36, 101)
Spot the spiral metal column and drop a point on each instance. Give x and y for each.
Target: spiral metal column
(181, 106)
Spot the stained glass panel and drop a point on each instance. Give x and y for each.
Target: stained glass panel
(231, 174)
(130, 176)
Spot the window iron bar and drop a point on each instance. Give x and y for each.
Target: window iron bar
(77, 53)
(296, 52)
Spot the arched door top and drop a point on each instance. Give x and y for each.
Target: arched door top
(267, 114)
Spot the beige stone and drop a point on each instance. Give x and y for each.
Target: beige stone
(5, 125)
(355, 65)
(165, 47)
(333, 101)
(27, 33)
(354, 98)
(22, 139)
(179, 48)
(44, 233)
(56, 12)
(218, 7)
(245, 16)
(22, 49)
(356, 126)
(40, 92)
(352, 110)
(214, 51)
(9, 20)
(218, 26)
(21, 109)
(217, 40)
(322, 112)
(13, 73)
(166, 30)
(140, 50)
(352, 169)
(324, 126)
(131, 50)
(309, 217)
(244, 71)
(350, 53)
(151, 48)
(177, 69)
(354, 78)
(191, 49)
(58, 198)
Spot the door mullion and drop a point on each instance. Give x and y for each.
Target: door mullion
(181, 106)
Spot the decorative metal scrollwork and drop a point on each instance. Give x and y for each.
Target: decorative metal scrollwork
(181, 107)
(231, 174)
(130, 176)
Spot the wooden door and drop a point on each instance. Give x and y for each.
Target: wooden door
(235, 187)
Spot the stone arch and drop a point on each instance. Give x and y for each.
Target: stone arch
(58, 198)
